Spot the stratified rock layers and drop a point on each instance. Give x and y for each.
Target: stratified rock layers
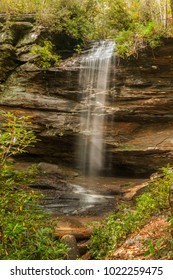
(138, 128)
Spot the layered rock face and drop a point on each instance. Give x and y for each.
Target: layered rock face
(138, 123)
(143, 111)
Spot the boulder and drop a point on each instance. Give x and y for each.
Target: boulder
(70, 241)
(57, 170)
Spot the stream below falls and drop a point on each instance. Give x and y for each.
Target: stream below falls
(94, 196)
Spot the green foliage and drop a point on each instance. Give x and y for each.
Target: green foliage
(14, 136)
(15, 7)
(153, 246)
(25, 232)
(78, 23)
(25, 229)
(161, 248)
(78, 49)
(139, 36)
(111, 17)
(133, 24)
(118, 15)
(45, 57)
(72, 17)
(125, 44)
(129, 219)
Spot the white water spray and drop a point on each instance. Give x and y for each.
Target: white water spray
(94, 76)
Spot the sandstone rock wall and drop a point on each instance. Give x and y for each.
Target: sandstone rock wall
(138, 128)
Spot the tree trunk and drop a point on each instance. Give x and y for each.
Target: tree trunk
(165, 13)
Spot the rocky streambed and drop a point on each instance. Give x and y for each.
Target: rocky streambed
(77, 203)
(67, 193)
(77, 200)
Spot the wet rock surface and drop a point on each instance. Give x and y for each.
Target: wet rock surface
(64, 196)
(69, 195)
(76, 200)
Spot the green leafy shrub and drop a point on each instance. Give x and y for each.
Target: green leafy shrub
(137, 37)
(129, 219)
(153, 247)
(25, 232)
(16, 7)
(14, 136)
(125, 44)
(45, 57)
(71, 17)
(25, 228)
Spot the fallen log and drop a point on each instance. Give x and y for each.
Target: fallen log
(79, 233)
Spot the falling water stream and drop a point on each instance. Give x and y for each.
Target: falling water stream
(90, 193)
(93, 79)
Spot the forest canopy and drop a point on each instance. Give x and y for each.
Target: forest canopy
(133, 24)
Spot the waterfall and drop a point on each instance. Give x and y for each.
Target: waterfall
(93, 80)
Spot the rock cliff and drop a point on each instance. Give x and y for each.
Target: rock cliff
(139, 105)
